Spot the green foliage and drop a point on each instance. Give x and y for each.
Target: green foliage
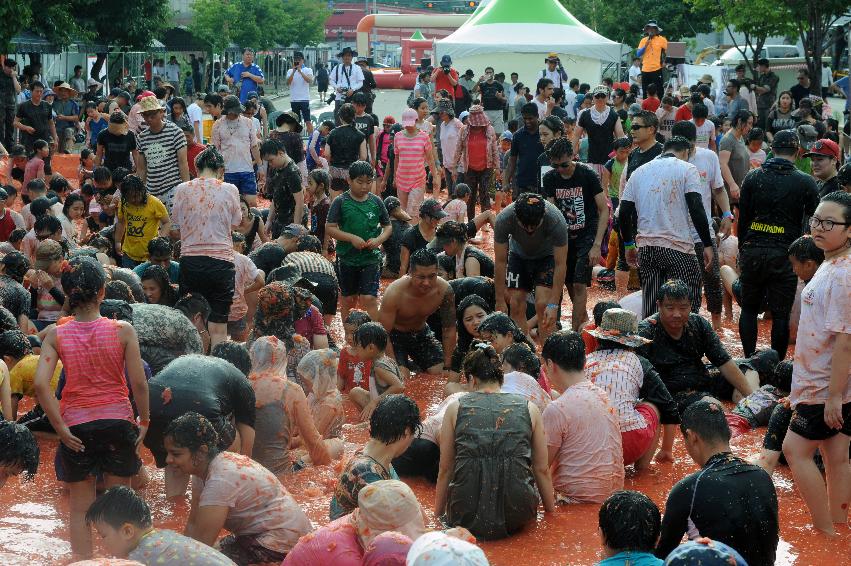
(616, 20)
(259, 23)
(14, 16)
(813, 19)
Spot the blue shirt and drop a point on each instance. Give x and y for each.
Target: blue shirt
(526, 147)
(248, 85)
(844, 85)
(632, 558)
(96, 127)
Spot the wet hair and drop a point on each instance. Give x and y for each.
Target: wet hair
(17, 235)
(805, 249)
(192, 431)
(501, 323)
(14, 343)
(271, 148)
(234, 352)
(159, 275)
(529, 109)
(370, 333)
(7, 320)
(530, 208)
(82, 281)
(309, 243)
(118, 175)
(601, 307)
(781, 377)
(423, 257)
(678, 143)
(453, 231)
(210, 159)
(192, 304)
(558, 147)
(756, 134)
(237, 237)
(59, 184)
(522, 358)
(361, 169)
(70, 201)
(394, 416)
(483, 363)
(120, 290)
(18, 448)
(101, 174)
(630, 521)
(553, 123)
(357, 317)
(36, 185)
(841, 198)
(268, 256)
(464, 337)
(38, 145)
(118, 506)
(160, 246)
(700, 110)
(117, 310)
(707, 420)
(740, 117)
(566, 349)
(416, 102)
(346, 113)
(674, 289)
(321, 177)
(461, 190)
(685, 129)
(133, 185)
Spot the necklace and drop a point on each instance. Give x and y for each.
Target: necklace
(234, 129)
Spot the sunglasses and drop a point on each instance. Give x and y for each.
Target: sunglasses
(636, 127)
(562, 165)
(600, 95)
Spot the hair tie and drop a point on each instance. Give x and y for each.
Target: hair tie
(65, 266)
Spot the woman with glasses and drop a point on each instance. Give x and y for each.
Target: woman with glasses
(602, 126)
(775, 200)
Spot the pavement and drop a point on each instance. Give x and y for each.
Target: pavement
(387, 102)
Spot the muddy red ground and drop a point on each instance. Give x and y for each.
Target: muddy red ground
(34, 525)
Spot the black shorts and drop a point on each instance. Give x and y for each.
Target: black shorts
(213, 279)
(420, 347)
(808, 421)
(110, 448)
(778, 424)
(358, 280)
(578, 268)
(767, 280)
(737, 291)
(422, 458)
(301, 108)
(526, 274)
(327, 290)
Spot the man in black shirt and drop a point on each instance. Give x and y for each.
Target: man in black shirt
(35, 120)
(493, 99)
(774, 202)
(802, 89)
(9, 89)
(575, 190)
(602, 125)
(824, 155)
(283, 185)
(526, 146)
(679, 341)
(728, 500)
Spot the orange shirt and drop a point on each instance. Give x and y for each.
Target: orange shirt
(652, 59)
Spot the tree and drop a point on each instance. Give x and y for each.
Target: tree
(756, 20)
(813, 19)
(611, 18)
(14, 16)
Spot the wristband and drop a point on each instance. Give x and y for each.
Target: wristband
(629, 245)
(727, 214)
(552, 306)
(145, 424)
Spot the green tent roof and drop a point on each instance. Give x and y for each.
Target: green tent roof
(522, 12)
(418, 36)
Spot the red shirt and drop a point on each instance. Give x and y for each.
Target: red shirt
(477, 150)
(590, 342)
(7, 224)
(683, 113)
(651, 103)
(192, 151)
(353, 371)
(441, 81)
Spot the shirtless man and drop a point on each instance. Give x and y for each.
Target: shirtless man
(407, 303)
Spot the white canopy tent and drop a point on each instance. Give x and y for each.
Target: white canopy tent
(516, 35)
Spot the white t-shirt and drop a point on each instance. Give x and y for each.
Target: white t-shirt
(172, 73)
(634, 73)
(666, 120)
(705, 132)
(527, 386)
(300, 88)
(554, 76)
(825, 312)
(658, 189)
(709, 106)
(196, 115)
(569, 102)
(449, 133)
(542, 108)
(709, 167)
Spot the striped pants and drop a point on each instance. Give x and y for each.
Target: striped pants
(711, 279)
(656, 265)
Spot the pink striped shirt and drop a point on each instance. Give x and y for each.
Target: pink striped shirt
(93, 359)
(410, 160)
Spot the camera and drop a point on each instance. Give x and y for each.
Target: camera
(446, 69)
(331, 98)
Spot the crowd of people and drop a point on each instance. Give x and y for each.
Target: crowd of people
(178, 297)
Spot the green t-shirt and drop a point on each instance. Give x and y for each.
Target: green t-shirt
(361, 218)
(615, 179)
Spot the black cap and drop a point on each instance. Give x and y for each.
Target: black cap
(431, 208)
(844, 174)
(392, 203)
(787, 139)
(41, 205)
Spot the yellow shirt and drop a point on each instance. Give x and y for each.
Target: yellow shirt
(652, 59)
(22, 376)
(141, 226)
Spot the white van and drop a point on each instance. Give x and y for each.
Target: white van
(776, 55)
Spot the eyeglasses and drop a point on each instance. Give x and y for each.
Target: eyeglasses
(562, 165)
(636, 127)
(825, 225)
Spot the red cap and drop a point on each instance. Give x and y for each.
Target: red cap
(824, 148)
(143, 94)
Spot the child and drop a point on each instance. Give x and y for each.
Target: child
(123, 521)
(400, 221)
(87, 165)
(501, 197)
(630, 524)
(188, 84)
(519, 366)
(358, 220)
(318, 185)
(456, 209)
(705, 127)
(95, 418)
(95, 124)
(351, 369)
(501, 331)
(370, 343)
(35, 165)
(316, 144)
(614, 168)
(821, 389)
(17, 165)
(383, 143)
(756, 138)
(283, 187)
(18, 356)
(140, 218)
(667, 116)
(247, 281)
(20, 451)
(726, 124)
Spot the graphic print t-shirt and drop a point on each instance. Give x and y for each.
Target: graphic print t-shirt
(574, 197)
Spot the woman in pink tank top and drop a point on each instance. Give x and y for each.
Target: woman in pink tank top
(94, 419)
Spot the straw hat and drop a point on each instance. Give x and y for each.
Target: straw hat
(621, 326)
(149, 104)
(65, 86)
(707, 79)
